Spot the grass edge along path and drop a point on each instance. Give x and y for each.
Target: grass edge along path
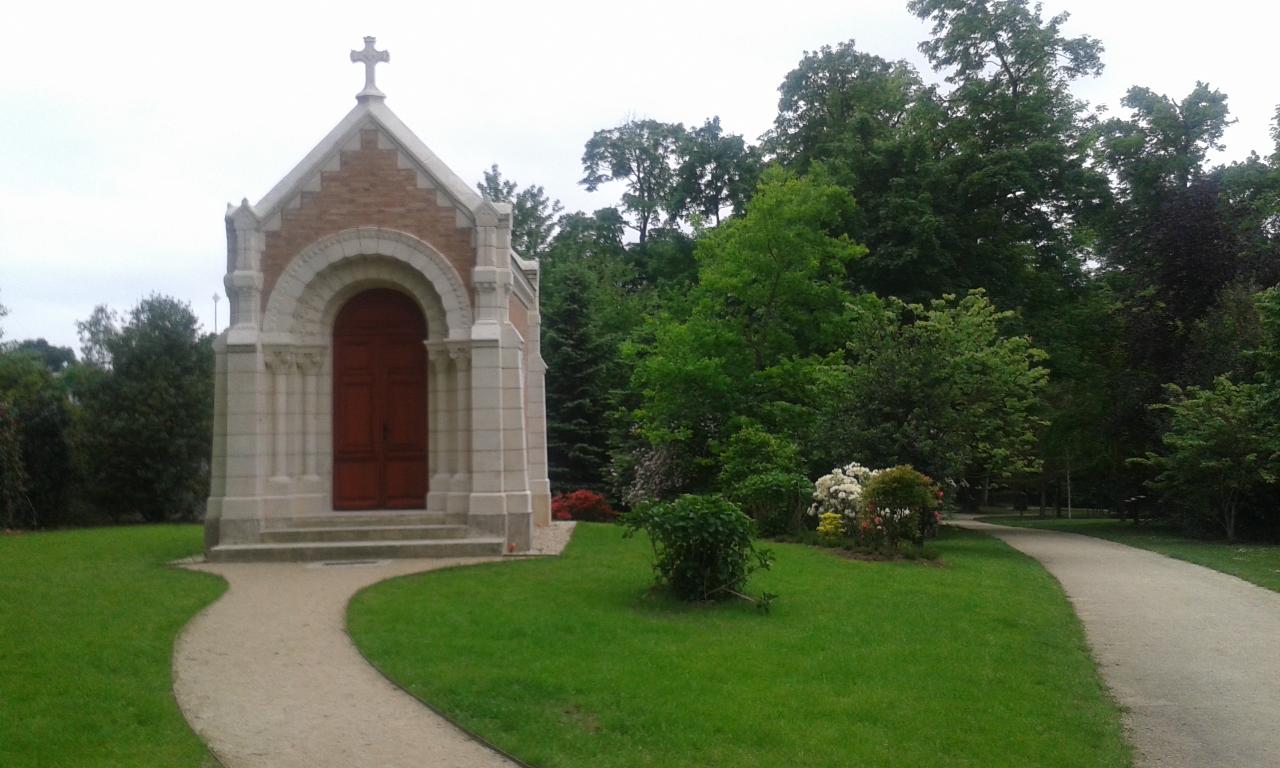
(1256, 563)
(88, 619)
(569, 662)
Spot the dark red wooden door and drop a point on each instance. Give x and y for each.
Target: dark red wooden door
(379, 403)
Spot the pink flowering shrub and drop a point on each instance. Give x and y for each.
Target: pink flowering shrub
(582, 505)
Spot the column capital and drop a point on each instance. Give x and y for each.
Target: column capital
(279, 359)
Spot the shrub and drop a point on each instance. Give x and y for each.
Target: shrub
(775, 501)
(831, 527)
(898, 505)
(760, 472)
(878, 508)
(583, 505)
(702, 547)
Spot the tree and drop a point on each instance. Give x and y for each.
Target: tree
(1213, 454)
(643, 154)
(941, 387)
(873, 127)
(1005, 47)
(769, 307)
(1162, 146)
(533, 213)
(589, 304)
(147, 421)
(36, 398)
(13, 473)
(577, 441)
(716, 172)
(56, 359)
(96, 335)
(1018, 144)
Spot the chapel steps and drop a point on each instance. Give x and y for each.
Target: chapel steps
(376, 534)
(362, 533)
(356, 550)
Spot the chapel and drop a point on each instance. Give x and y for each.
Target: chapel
(379, 389)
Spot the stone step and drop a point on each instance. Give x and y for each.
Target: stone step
(362, 533)
(355, 550)
(372, 517)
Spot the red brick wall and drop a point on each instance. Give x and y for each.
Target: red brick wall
(369, 190)
(518, 315)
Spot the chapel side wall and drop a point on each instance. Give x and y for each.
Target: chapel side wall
(371, 187)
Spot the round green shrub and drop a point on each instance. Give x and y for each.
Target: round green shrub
(702, 546)
(899, 501)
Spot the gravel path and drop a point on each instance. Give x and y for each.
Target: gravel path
(1193, 655)
(267, 675)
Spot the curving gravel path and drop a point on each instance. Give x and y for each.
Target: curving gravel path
(268, 677)
(1193, 655)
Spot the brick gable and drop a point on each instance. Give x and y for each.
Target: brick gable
(369, 189)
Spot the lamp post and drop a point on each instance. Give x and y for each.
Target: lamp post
(216, 298)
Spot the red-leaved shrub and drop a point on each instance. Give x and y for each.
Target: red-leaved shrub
(582, 505)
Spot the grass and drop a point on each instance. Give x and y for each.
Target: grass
(569, 662)
(1258, 563)
(87, 624)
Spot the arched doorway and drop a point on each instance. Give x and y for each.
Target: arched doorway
(379, 403)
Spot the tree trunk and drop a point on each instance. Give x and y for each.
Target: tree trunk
(1068, 485)
(986, 490)
(1043, 493)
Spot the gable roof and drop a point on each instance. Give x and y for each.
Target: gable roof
(367, 113)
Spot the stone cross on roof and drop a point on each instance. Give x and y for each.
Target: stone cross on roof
(370, 57)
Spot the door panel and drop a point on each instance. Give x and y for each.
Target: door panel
(379, 403)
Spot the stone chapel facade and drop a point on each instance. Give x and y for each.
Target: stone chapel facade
(379, 390)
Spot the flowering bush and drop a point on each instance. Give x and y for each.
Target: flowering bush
(831, 527)
(878, 508)
(841, 491)
(582, 505)
(900, 503)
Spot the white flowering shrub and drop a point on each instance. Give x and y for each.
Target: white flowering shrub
(840, 492)
(878, 508)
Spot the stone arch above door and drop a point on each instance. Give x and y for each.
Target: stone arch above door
(322, 276)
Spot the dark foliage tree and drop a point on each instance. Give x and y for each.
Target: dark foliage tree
(643, 154)
(146, 431)
(56, 359)
(716, 172)
(38, 401)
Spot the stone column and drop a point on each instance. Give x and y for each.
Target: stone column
(309, 365)
(438, 485)
(460, 428)
(536, 423)
(515, 465)
(279, 362)
(487, 504)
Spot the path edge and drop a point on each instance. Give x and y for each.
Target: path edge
(178, 640)
(470, 734)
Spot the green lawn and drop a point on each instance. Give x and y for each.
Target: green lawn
(566, 662)
(87, 624)
(1258, 563)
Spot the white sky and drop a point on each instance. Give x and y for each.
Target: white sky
(127, 127)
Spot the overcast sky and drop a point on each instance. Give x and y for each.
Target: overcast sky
(127, 127)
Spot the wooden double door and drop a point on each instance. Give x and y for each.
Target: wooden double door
(379, 403)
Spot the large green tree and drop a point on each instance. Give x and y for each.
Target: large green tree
(147, 420)
(643, 154)
(943, 387)
(716, 171)
(37, 400)
(769, 307)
